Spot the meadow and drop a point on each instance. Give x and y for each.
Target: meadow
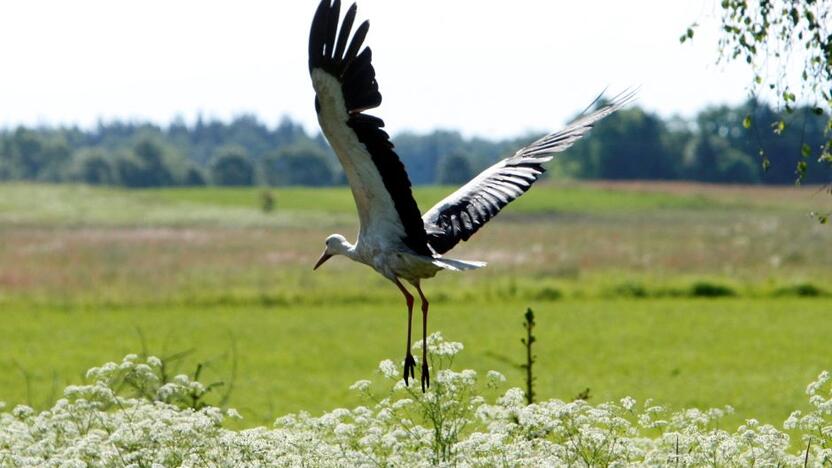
(694, 295)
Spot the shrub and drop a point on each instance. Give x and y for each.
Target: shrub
(548, 294)
(706, 289)
(629, 289)
(801, 290)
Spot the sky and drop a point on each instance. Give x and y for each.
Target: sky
(485, 68)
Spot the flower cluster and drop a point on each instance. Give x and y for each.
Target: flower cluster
(130, 414)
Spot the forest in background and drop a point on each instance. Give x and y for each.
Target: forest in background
(718, 146)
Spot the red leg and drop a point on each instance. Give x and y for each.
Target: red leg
(409, 362)
(425, 372)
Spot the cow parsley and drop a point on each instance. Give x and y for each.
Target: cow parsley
(130, 414)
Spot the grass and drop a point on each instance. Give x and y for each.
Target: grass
(694, 295)
(754, 354)
(28, 204)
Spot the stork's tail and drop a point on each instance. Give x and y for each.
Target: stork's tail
(457, 265)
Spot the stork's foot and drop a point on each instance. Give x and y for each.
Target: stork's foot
(425, 376)
(409, 368)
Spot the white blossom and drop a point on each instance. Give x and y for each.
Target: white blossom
(453, 424)
(388, 369)
(361, 385)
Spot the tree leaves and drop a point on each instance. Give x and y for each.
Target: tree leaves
(783, 41)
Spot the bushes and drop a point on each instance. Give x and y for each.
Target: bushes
(700, 288)
(801, 290)
(707, 289)
(127, 415)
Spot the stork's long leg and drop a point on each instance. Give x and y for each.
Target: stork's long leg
(425, 372)
(409, 362)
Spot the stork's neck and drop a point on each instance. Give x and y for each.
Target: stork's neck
(355, 254)
(346, 249)
(351, 252)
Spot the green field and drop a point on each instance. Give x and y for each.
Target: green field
(693, 295)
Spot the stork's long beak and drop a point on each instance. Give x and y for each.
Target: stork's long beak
(324, 257)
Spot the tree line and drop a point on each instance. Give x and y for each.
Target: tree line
(720, 145)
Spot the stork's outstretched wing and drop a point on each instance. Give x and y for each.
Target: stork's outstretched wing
(461, 214)
(345, 87)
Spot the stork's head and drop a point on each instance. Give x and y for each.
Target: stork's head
(336, 244)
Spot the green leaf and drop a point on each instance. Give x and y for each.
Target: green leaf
(746, 122)
(778, 127)
(805, 150)
(801, 171)
(822, 218)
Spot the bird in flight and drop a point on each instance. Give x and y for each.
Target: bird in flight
(394, 238)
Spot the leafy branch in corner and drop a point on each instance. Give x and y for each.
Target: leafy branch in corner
(784, 42)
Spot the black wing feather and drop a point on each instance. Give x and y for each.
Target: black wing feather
(346, 26)
(482, 198)
(331, 50)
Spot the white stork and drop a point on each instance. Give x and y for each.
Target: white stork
(394, 238)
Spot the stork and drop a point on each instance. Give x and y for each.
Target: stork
(394, 238)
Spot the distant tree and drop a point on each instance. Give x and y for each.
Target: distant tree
(194, 177)
(421, 153)
(246, 131)
(35, 155)
(736, 167)
(148, 164)
(25, 152)
(627, 145)
(155, 164)
(454, 169)
(302, 164)
(630, 144)
(130, 171)
(728, 123)
(231, 166)
(92, 166)
(288, 132)
(711, 159)
(700, 160)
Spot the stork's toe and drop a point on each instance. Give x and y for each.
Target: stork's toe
(409, 368)
(425, 376)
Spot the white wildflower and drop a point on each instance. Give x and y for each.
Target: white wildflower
(628, 403)
(22, 412)
(451, 425)
(361, 385)
(814, 387)
(388, 369)
(494, 376)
